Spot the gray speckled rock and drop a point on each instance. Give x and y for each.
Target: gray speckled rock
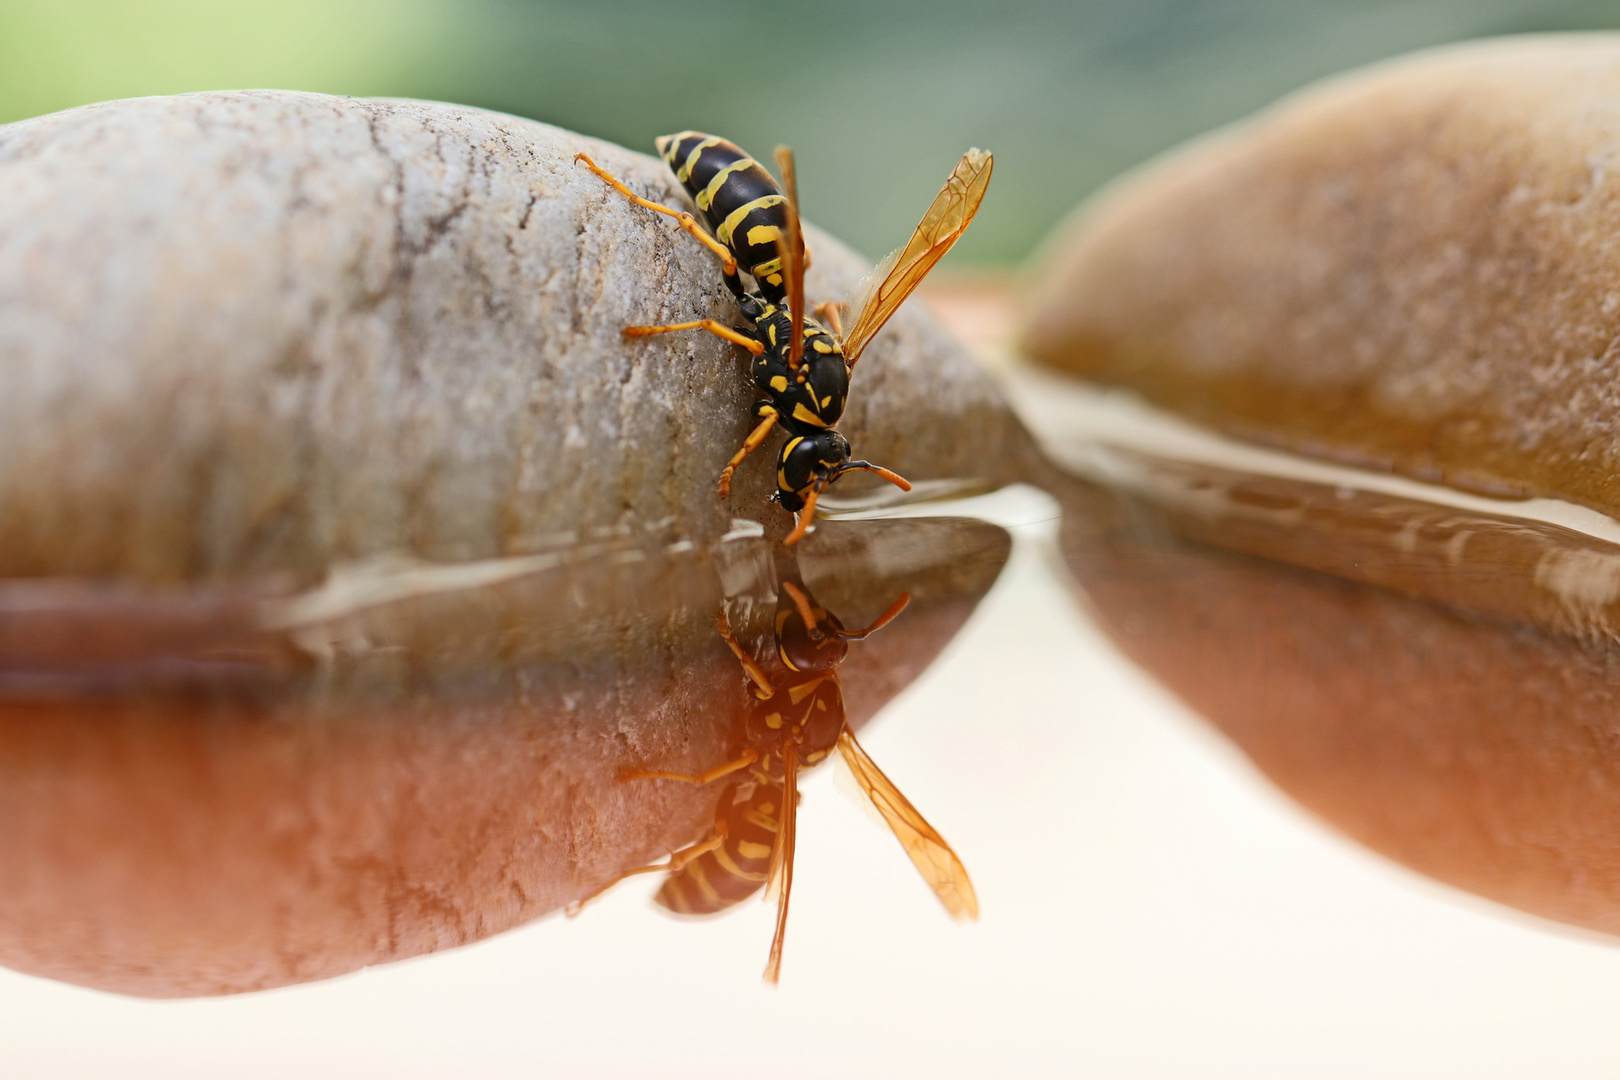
(259, 332)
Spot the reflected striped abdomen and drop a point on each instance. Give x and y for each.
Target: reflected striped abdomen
(738, 868)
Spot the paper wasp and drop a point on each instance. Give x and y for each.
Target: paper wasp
(794, 721)
(802, 366)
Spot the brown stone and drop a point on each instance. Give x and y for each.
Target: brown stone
(1411, 267)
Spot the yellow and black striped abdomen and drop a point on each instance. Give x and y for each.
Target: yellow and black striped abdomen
(738, 868)
(740, 201)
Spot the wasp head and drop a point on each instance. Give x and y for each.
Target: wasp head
(805, 647)
(809, 462)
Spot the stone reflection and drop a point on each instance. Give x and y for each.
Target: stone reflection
(225, 791)
(1442, 685)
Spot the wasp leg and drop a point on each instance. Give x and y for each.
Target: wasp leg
(719, 330)
(676, 861)
(807, 515)
(802, 603)
(763, 428)
(707, 777)
(827, 314)
(686, 221)
(750, 668)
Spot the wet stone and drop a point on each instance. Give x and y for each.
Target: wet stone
(1408, 268)
(260, 333)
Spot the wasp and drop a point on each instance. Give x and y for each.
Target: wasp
(801, 365)
(794, 720)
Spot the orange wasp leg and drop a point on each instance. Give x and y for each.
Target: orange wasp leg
(686, 221)
(807, 515)
(750, 668)
(802, 603)
(827, 313)
(719, 330)
(676, 861)
(708, 776)
(749, 445)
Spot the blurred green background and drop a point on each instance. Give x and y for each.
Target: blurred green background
(879, 98)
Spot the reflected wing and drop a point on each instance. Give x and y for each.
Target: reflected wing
(791, 251)
(781, 874)
(929, 852)
(882, 291)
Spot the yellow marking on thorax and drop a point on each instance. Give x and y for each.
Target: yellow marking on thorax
(769, 266)
(821, 346)
(685, 171)
(805, 416)
(771, 332)
(735, 218)
(705, 198)
(798, 693)
(778, 383)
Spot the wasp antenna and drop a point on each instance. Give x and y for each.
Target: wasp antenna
(882, 620)
(866, 466)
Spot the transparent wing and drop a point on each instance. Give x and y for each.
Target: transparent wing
(929, 852)
(791, 250)
(882, 291)
(780, 879)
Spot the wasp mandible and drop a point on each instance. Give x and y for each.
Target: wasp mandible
(800, 365)
(794, 721)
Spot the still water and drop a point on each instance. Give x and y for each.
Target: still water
(372, 800)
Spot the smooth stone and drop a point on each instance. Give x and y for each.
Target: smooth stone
(1410, 267)
(256, 334)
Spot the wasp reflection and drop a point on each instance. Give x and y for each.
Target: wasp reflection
(795, 720)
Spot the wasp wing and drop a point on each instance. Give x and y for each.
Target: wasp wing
(791, 251)
(882, 291)
(780, 879)
(929, 852)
